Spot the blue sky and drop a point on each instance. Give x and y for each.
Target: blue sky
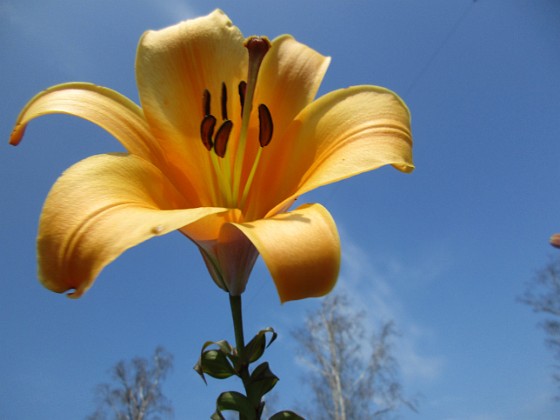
(443, 251)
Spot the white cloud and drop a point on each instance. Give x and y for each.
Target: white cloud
(51, 30)
(176, 10)
(370, 286)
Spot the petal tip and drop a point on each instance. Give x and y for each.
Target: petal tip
(74, 295)
(17, 134)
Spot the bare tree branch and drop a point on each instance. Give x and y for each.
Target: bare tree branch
(542, 294)
(349, 381)
(137, 390)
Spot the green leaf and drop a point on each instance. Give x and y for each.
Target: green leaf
(235, 401)
(223, 345)
(262, 381)
(255, 348)
(215, 362)
(217, 416)
(286, 415)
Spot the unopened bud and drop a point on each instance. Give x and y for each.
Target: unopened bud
(555, 240)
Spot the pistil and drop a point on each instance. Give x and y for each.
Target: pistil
(229, 171)
(257, 48)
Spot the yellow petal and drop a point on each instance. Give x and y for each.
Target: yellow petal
(228, 254)
(301, 250)
(174, 66)
(342, 134)
(289, 78)
(104, 107)
(98, 209)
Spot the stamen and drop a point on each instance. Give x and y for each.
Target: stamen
(242, 89)
(206, 102)
(222, 137)
(207, 131)
(265, 125)
(224, 101)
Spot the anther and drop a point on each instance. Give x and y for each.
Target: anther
(222, 137)
(206, 102)
(207, 130)
(224, 102)
(242, 89)
(265, 125)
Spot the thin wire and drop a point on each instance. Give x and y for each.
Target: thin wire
(420, 74)
(438, 50)
(256, 293)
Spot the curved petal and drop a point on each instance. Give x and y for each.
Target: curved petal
(174, 67)
(104, 107)
(342, 134)
(301, 250)
(289, 78)
(98, 209)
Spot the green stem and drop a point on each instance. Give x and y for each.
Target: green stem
(236, 313)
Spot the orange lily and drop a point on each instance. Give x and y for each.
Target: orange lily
(228, 135)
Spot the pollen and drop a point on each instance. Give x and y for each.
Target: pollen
(208, 124)
(265, 125)
(207, 131)
(222, 137)
(242, 89)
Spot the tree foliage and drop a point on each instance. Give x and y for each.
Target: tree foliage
(135, 392)
(351, 375)
(542, 293)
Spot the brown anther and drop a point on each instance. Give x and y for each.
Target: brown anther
(206, 102)
(242, 89)
(222, 137)
(207, 130)
(224, 102)
(265, 125)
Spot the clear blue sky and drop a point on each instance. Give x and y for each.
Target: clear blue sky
(444, 251)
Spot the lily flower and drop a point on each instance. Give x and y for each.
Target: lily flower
(227, 136)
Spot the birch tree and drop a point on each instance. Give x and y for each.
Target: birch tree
(542, 294)
(136, 390)
(351, 375)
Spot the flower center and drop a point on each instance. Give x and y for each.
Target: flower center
(229, 172)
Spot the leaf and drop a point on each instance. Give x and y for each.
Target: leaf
(286, 415)
(262, 381)
(217, 416)
(235, 401)
(256, 347)
(215, 362)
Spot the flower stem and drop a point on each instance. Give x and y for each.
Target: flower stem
(236, 313)
(243, 367)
